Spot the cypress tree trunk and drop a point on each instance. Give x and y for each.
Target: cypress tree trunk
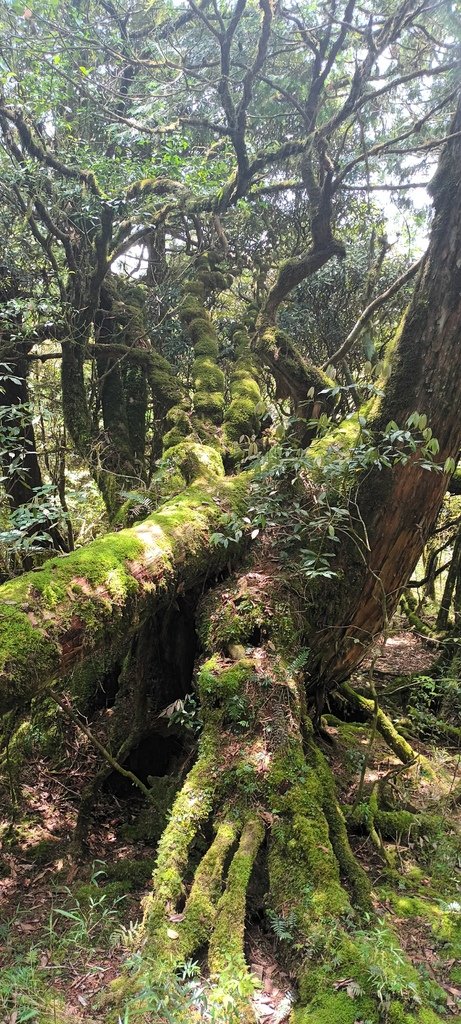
(399, 506)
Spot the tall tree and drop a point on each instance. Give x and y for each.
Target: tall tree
(290, 620)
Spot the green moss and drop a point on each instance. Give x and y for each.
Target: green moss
(203, 336)
(429, 1017)
(444, 919)
(216, 684)
(384, 725)
(210, 405)
(207, 376)
(178, 419)
(303, 870)
(166, 387)
(226, 944)
(240, 341)
(196, 288)
(173, 437)
(90, 892)
(241, 418)
(201, 905)
(191, 308)
(192, 461)
(243, 415)
(137, 873)
(349, 866)
(247, 388)
(97, 592)
(398, 1015)
(336, 1008)
(25, 648)
(91, 584)
(190, 810)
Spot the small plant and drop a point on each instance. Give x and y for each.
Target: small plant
(282, 927)
(90, 917)
(238, 713)
(247, 778)
(186, 715)
(389, 974)
(126, 936)
(184, 997)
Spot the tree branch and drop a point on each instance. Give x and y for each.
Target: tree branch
(367, 314)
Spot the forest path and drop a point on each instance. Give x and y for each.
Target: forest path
(403, 653)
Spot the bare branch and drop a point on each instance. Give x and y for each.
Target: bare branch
(367, 314)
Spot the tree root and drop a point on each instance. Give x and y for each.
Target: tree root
(201, 905)
(255, 783)
(349, 866)
(226, 945)
(385, 727)
(191, 810)
(395, 825)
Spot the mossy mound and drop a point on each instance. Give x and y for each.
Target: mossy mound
(209, 405)
(88, 893)
(194, 461)
(207, 376)
(137, 873)
(336, 1008)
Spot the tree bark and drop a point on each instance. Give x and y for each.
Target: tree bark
(21, 483)
(78, 611)
(399, 506)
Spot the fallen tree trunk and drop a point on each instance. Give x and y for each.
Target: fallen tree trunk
(76, 612)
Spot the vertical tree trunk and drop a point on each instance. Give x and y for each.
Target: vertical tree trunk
(399, 506)
(23, 480)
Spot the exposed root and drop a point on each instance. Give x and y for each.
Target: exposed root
(349, 866)
(385, 727)
(190, 811)
(201, 905)
(227, 940)
(259, 770)
(395, 825)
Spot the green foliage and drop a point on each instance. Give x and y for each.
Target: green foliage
(284, 928)
(186, 715)
(76, 934)
(182, 996)
(306, 528)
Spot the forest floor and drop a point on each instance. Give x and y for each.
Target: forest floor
(67, 927)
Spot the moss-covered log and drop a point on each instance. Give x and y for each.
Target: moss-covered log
(76, 611)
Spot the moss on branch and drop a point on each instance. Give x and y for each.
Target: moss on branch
(385, 727)
(243, 414)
